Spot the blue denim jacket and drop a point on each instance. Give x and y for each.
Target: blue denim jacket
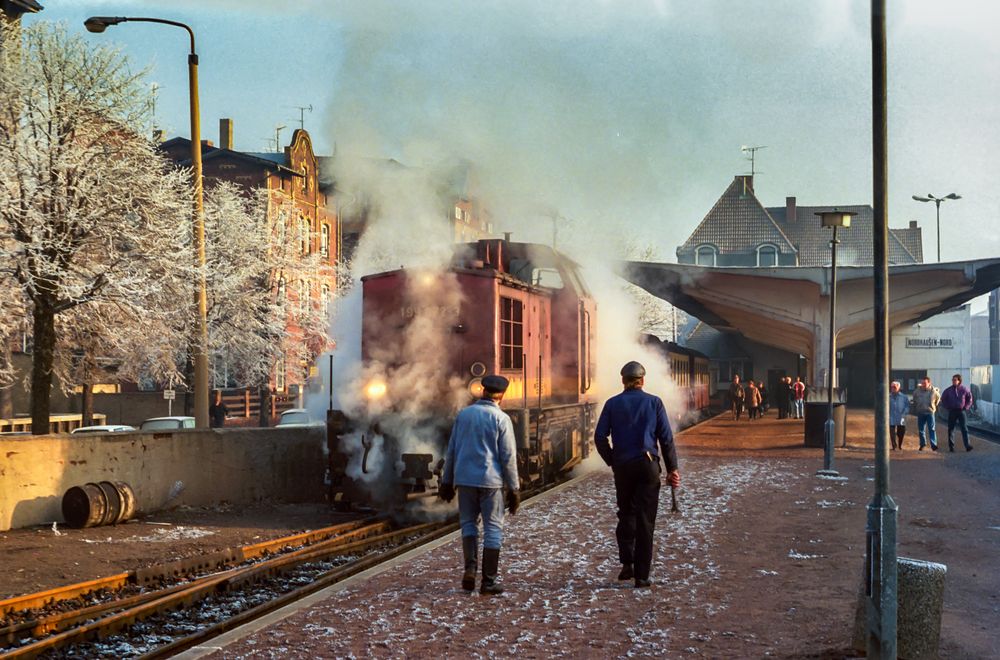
(481, 451)
(899, 405)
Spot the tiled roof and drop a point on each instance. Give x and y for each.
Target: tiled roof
(911, 239)
(737, 223)
(855, 249)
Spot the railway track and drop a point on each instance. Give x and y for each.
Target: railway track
(163, 610)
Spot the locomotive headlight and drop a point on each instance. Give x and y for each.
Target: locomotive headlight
(476, 388)
(375, 390)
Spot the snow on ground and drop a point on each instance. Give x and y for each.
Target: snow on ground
(559, 565)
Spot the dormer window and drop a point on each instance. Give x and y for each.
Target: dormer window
(705, 255)
(767, 256)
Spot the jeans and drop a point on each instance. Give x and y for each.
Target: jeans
(637, 488)
(799, 408)
(485, 502)
(958, 417)
(926, 420)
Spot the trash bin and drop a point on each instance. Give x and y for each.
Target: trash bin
(816, 414)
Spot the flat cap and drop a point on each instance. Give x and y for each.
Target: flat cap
(496, 384)
(633, 370)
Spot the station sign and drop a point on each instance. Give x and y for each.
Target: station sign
(929, 342)
(169, 395)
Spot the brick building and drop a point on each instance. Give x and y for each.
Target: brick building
(299, 210)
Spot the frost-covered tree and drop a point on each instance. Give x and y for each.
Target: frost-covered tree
(92, 218)
(264, 290)
(656, 316)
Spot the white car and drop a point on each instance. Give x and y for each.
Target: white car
(104, 428)
(167, 423)
(297, 417)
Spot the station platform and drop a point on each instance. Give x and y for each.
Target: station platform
(764, 560)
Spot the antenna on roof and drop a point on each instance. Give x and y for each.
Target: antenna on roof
(753, 155)
(277, 137)
(302, 113)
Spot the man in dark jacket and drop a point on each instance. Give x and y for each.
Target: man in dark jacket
(957, 399)
(736, 396)
(640, 436)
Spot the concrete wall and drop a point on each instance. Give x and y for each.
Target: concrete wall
(212, 466)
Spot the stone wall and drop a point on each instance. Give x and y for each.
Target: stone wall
(192, 467)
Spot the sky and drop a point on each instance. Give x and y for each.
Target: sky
(625, 117)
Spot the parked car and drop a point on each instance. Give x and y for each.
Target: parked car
(104, 428)
(167, 423)
(297, 417)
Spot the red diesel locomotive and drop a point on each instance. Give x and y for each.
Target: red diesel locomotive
(516, 309)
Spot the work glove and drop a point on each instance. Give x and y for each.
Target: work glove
(674, 479)
(446, 492)
(513, 501)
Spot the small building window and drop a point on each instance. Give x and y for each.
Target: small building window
(324, 298)
(705, 255)
(281, 229)
(304, 231)
(458, 212)
(324, 240)
(281, 289)
(511, 333)
(767, 256)
(279, 374)
(304, 291)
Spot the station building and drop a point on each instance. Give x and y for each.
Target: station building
(755, 281)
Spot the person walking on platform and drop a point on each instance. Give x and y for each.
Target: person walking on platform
(763, 397)
(736, 396)
(753, 400)
(799, 397)
(899, 406)
(482, 458)
(925, 402)
(957, 399)
(640, 435)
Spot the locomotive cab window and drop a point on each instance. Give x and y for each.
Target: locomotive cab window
(511, 333)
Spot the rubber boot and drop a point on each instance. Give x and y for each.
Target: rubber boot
(491, 561)
(471, 562)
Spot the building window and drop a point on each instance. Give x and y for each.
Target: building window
(511, 333)
(305, 179)
(303, 297)
(767, 256)
(705, 255)
(324, 298)
(279, 374)
(324, 240)
(282, 222)
(281, 289)
(458, 212)
(304, 230)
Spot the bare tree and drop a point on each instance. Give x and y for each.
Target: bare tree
(656, 316)
(89, 212)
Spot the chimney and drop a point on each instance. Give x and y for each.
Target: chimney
(746, 184)
(226, 133)
(913, 224)
(790, 209)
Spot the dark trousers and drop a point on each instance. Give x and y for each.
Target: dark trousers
(896, 435)
(637, 487)
(958, 417)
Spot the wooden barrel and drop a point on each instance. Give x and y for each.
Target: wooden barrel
(113, 513)
(84, 506)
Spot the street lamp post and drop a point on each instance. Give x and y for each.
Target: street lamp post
(937, 202)
(98, 24)
(835, 219)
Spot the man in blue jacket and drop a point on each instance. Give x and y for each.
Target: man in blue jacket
(640, 436)
(480, 460)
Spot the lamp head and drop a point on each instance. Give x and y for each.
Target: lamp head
(921, 199)
(835, 218)
(98, 24)
(952, 196)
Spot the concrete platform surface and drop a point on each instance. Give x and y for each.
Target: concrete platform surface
(763, 562)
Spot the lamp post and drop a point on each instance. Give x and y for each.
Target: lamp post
(937, 202)
(98, 24)
(835, 219)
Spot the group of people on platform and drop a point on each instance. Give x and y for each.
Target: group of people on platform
(956, 401)
(753, 398)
